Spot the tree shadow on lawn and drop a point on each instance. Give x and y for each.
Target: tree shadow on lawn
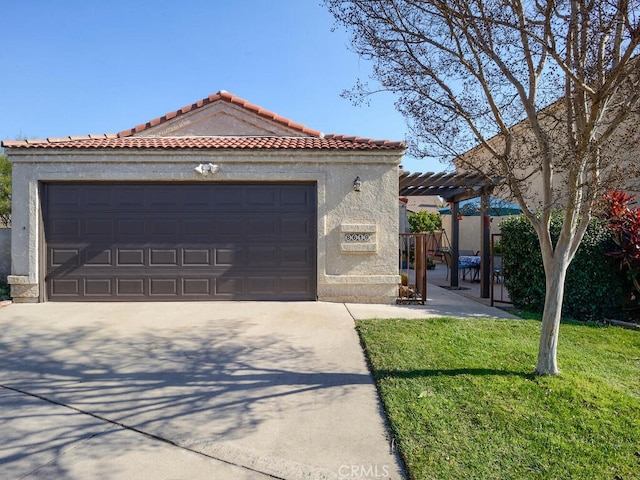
(205, 382)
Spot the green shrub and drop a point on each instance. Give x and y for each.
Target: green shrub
(5, 291)
(424, 222)
(5, 190)
(593, 288)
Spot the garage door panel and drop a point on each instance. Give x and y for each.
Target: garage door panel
(226, 227)
(262, 285)
(265, 226)
(262, 255)
(197, 286)
(100, 227)
(295, 255)
(98, 287)
(295, 285)
(198, 197)
(227, 257)
(64, 256)
(125, 227)
(130, 287)
(98, 257)
(163, 257)
(168, 241)
(228, 195)
(297, 227)
(229, 286)
(163, 227)
(295, 197)
(128, 197)
(163, 286)
(127, 257)
(261, 198)
(197, 227)
(64, 198)
(65, 287)
(69, 228)
(100, 197)
(196, 257)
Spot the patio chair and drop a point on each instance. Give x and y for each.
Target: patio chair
(497, 268)
(462, 267)
(446, 254)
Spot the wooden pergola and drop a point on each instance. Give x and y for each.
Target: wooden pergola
(455, 187)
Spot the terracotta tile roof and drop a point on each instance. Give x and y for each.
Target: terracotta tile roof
(94, 142)
(311, 139)
(228, 97)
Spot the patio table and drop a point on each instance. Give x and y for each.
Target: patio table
(470, 263)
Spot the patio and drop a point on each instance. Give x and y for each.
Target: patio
(467, 288)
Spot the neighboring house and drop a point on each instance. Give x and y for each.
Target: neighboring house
(403, 221)
(430, 203)
(620, 158)
(220, 200)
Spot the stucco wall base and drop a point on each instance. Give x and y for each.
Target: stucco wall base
(25, 293)
(367, 293)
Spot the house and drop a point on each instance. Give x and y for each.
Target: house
(403, 222)
(421, 203)
(219, 200)
(619, 158)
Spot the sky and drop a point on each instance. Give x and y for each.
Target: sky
(89, 67)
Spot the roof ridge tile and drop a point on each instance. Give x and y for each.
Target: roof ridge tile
(225, 96)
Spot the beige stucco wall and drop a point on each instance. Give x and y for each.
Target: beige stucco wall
(347, 271)
(470, 230)
(620, 158)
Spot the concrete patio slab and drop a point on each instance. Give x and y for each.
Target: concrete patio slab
(440, 303)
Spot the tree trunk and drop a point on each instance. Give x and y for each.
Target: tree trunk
(548, 350)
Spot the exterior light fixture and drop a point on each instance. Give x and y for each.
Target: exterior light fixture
(357, 184)
(206, 169)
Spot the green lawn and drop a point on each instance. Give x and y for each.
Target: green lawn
(463, 404)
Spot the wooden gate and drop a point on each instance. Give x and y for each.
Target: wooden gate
(413, 268)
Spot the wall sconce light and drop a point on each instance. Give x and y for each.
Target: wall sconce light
(206, 169)
(357, 184)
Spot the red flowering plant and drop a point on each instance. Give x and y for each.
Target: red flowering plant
(624, 222)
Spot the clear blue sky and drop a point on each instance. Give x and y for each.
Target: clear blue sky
(72, 67)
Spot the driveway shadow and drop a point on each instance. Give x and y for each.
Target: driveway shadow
(193, 383)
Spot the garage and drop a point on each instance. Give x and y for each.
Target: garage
(179, 241)
(219, 200)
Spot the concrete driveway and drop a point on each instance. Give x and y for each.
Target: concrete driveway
(187, 390)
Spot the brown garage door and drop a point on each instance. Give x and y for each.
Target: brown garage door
(153, 241)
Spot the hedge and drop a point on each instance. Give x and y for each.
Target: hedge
(594, 287)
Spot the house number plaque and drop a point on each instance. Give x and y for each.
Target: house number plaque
(358, 238)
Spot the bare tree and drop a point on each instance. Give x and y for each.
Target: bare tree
(5, 190)
(546, 89)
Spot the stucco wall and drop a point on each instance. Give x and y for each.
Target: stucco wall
(620, 161)
(471, 230)
(362, 271)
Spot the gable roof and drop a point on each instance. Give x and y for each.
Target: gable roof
(211, 123)
(222, 97)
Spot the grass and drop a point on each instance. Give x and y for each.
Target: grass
(462, 403)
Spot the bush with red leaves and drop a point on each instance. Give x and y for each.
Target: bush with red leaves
(624, 222)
